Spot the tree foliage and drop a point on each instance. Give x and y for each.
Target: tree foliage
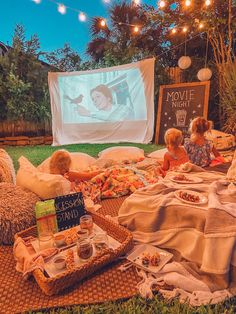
(23, 80)
(64, 59)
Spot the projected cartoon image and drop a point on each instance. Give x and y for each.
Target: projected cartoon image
(103, 97)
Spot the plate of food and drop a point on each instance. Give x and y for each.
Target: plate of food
(191, 197)
(181, 178)
(149, 258)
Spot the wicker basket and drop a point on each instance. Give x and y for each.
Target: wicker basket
(68, 278)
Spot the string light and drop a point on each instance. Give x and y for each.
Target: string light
(162, 4)
(103, 23)
(82, 17)
(187, 3)
(61, 9)
(136, 2)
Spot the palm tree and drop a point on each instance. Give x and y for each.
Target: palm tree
(118, 41)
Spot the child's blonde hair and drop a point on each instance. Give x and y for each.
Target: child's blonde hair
(199, 126)
(173, 137)
(60, 162)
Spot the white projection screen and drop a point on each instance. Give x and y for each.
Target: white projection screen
(108, 105)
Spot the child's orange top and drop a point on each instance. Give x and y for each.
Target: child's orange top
(173, 159)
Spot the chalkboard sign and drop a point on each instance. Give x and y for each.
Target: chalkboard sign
(69, 209)
(178, 105)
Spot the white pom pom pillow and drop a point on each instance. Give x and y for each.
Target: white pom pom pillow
(79, 162)
(122, 153)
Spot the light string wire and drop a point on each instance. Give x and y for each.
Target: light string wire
(207, 44)
(67, 7)
(120, 23)
(177, 46)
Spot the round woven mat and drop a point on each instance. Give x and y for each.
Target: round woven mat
(108, 284)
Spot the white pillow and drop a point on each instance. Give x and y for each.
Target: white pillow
(158, 154)
(43, 184)
(121, 153)
(79, 162)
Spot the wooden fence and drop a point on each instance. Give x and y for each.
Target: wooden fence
(25, 128)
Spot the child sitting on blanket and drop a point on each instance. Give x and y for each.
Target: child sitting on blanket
(176, 154)
(198, 148)
(60, 163)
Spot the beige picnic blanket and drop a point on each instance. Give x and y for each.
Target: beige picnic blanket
(202, 236)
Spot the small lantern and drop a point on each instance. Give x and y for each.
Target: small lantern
(204, 74)
(184, 62)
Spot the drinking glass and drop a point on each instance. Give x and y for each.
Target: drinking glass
(46, 241)
(100, 241)
(86, 222)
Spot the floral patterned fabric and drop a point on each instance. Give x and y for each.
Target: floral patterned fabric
(199, 155)
(115, 181)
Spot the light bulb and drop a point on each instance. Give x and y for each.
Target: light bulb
(106, 1)
(82, 17)
(136, 29)
(187, 3)
(162, 4)
(61, 9)
(201, 25)
(208, 2)
(136, 2)
(37, 1)
(103, 23)
(185, 29)
(173, 31)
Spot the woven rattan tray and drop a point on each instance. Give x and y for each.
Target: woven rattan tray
(51, 286)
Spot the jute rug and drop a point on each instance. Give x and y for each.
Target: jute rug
(108, 284)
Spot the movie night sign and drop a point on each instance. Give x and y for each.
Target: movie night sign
(178, 105)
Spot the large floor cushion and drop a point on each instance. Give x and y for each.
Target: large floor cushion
(16, 211)
(7, 171)
(221, 140)
(45, 185)
(79, 162)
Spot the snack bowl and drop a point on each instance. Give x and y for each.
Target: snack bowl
(60, 240)
(59, 262)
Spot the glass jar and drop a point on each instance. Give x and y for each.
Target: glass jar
(84, 249)
(86, 222)
(82, 234)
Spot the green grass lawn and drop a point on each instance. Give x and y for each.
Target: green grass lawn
(36, 154)
(135, 305)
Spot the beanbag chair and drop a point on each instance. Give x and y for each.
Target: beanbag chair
(16, 211)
